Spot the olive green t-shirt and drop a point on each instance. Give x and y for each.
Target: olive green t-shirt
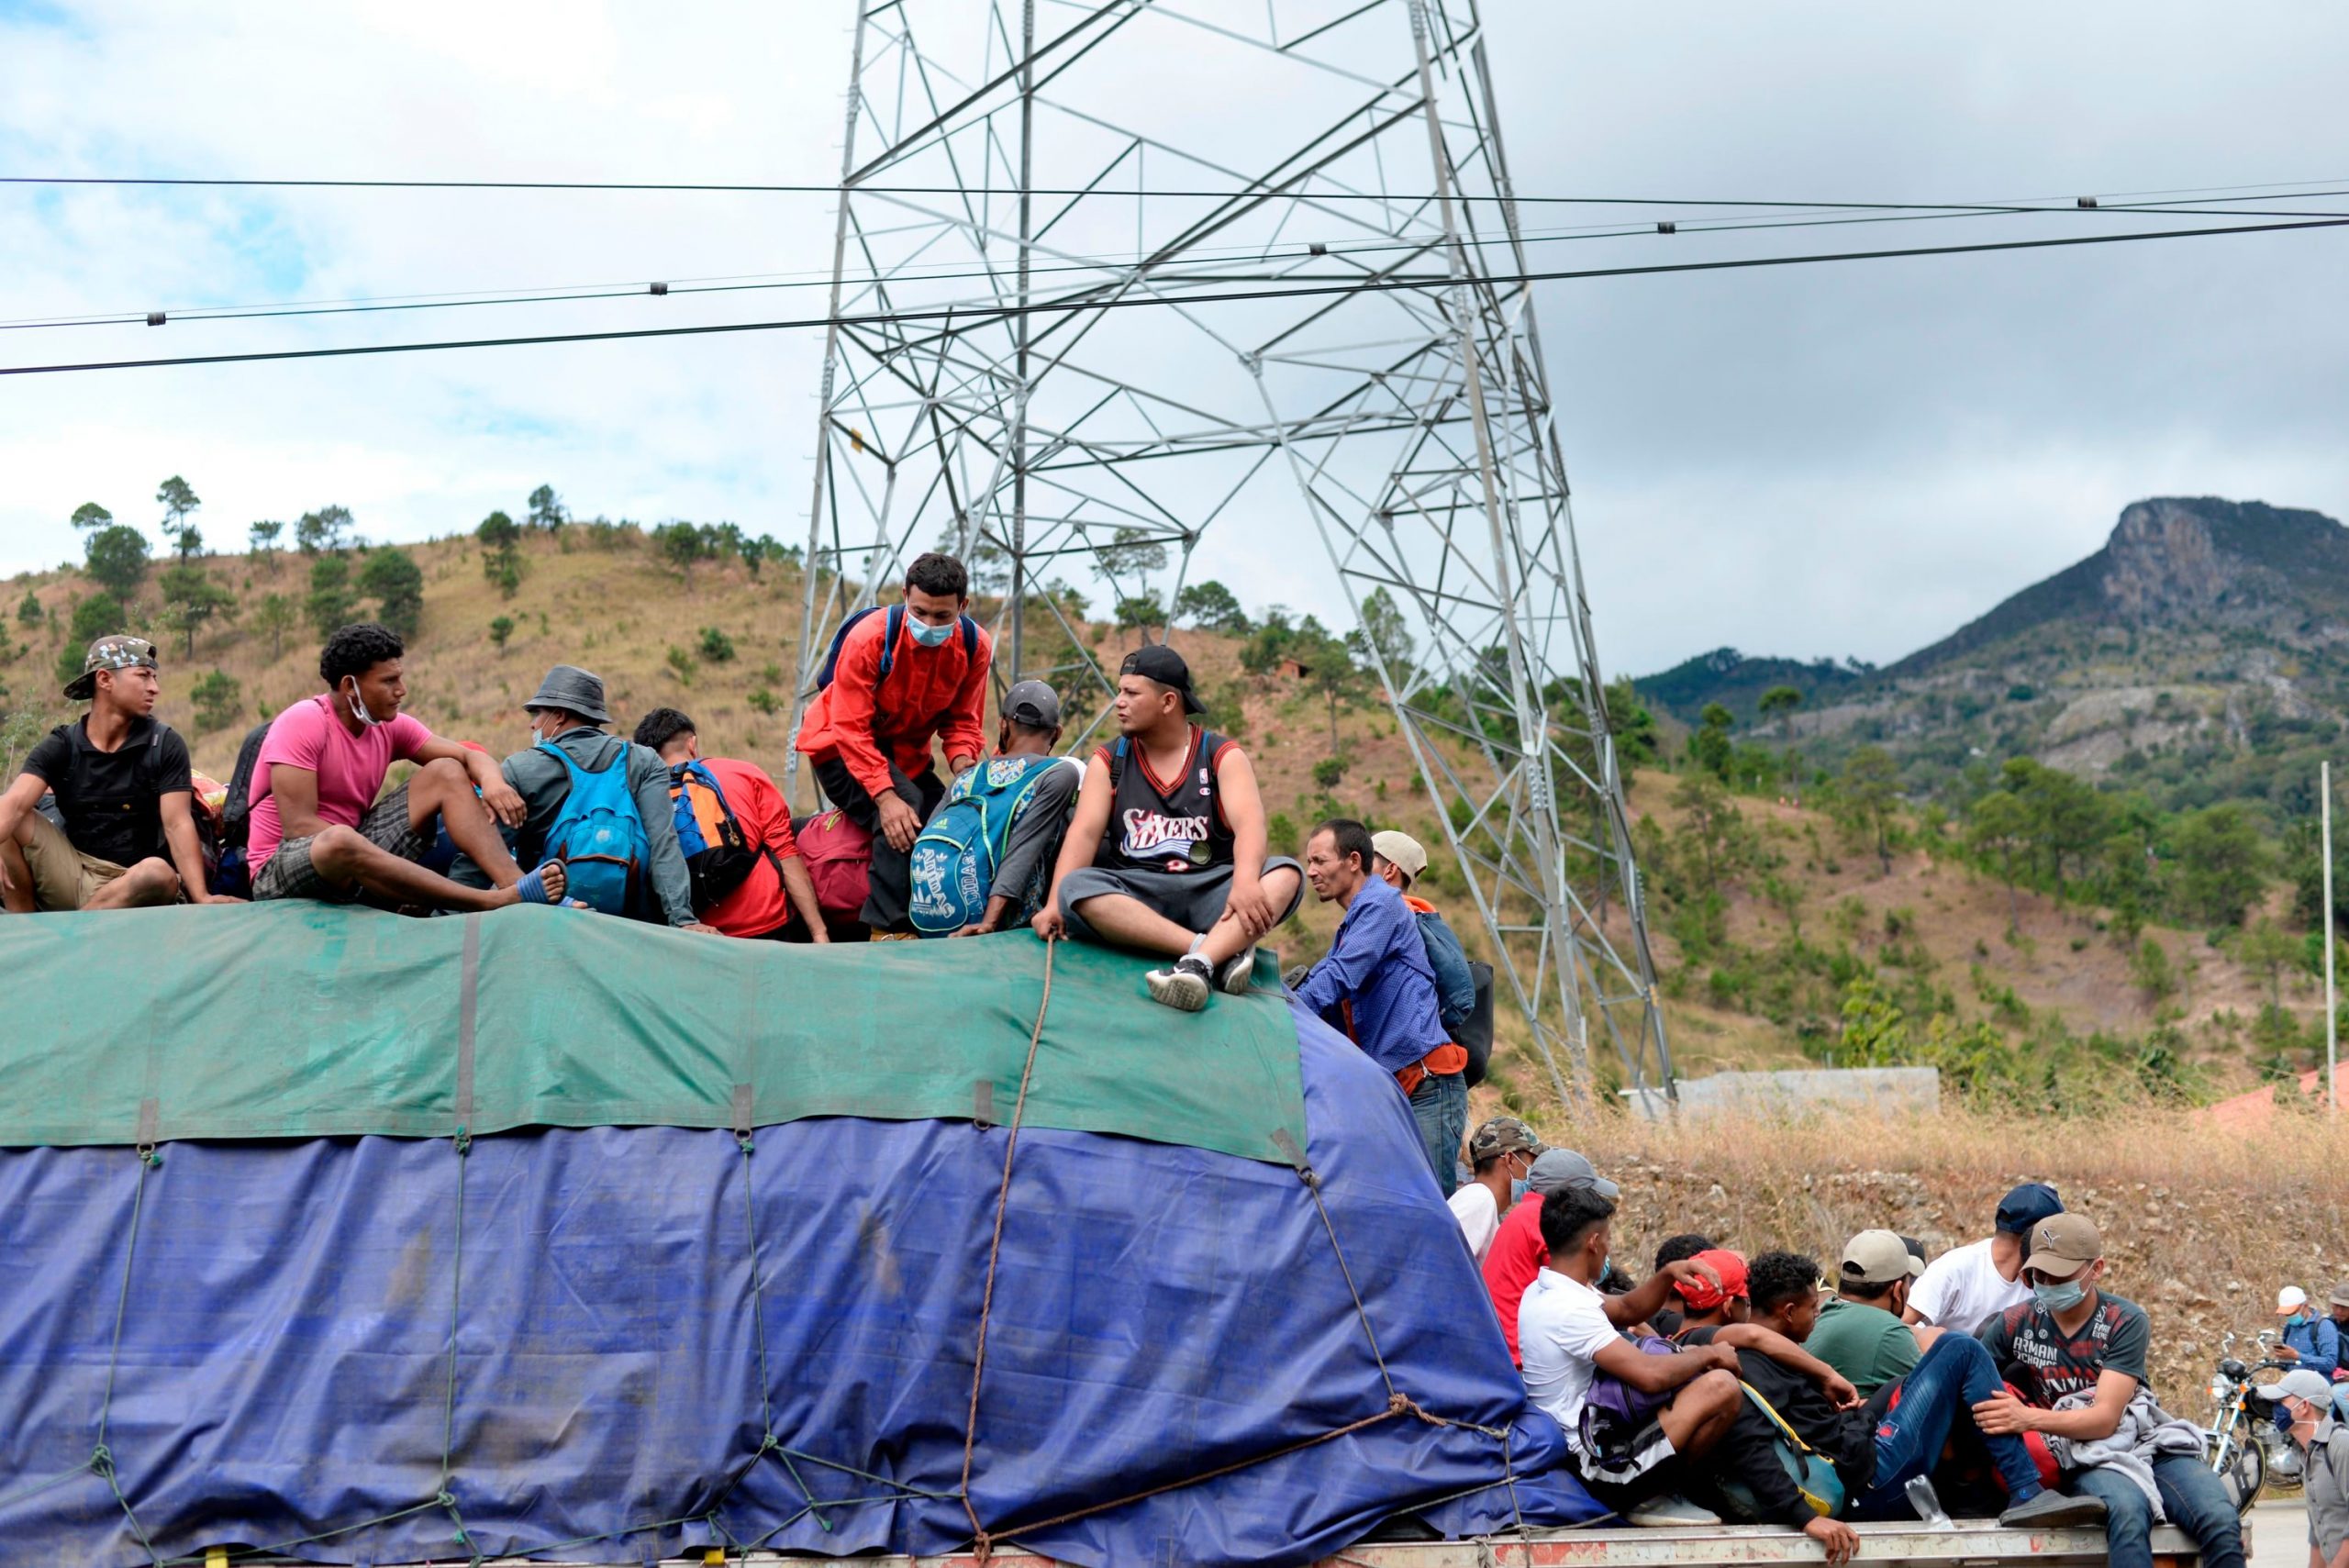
(1866, 1344)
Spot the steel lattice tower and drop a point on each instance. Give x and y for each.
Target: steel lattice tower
(1036, 362)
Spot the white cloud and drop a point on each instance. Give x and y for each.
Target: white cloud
(1813, 460)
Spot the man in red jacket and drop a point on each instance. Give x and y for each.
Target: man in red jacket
(869, 733)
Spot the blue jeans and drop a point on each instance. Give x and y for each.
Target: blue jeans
(1950, 1378)
(1441, 1107)
(2192, 1496)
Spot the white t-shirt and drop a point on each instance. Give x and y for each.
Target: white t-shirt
(1479, 1215)
(1962, 1289)
(1562, 1326)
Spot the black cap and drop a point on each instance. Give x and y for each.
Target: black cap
(1156, 661)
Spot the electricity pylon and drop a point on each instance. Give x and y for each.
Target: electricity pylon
(1110, 276)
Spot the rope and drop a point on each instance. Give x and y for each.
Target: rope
(464, 1145)
(101, 1462)
(1313, 1184)
(981, 1542)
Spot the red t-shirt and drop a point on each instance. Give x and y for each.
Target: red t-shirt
(1516, 1257)
(760, 905)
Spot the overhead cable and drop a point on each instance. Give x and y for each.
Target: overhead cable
(1079, 306)
(1292, 251)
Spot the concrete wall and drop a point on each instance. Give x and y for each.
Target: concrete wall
(1904, 1089)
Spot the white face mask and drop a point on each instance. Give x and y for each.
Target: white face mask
(359, 709)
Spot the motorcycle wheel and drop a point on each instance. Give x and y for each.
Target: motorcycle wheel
(2245, 1475)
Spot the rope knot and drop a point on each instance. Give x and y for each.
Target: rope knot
(769, 1443)
(443, 1499)
(462, 1142)
(981, 1546)
(151, 1156)
(101, 1462)
(744, 1140)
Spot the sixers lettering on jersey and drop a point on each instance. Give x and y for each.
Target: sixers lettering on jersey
(1176, 842)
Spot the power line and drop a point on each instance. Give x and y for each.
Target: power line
(2209, 193)
(1366, 285)
(1295, 250)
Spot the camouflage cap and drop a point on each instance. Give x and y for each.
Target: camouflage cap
(118, 651)
(1503, 1135)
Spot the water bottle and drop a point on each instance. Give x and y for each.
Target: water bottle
(1928, 1504)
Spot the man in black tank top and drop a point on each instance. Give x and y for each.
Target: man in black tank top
(1166, 852)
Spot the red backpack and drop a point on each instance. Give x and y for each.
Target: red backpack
(838, 855)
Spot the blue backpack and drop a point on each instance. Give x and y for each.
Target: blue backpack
(888, 642)
(598, 836)
(955, 860)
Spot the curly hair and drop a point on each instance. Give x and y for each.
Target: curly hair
(355, 650)
(1774, 1277)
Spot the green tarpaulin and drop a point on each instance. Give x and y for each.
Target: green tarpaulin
(302, 1021)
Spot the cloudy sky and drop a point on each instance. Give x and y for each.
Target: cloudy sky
(1807, 461)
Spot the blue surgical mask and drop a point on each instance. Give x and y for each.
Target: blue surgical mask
(1517, 1190)
(2060, 1297)
(929, 636)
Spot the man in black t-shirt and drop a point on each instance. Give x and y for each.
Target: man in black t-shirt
(122, 784)
(2078, 1355)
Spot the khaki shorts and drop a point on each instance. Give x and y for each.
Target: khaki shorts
(63, 877)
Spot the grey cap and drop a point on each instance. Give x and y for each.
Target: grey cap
(1563, 1168)
(573, 690)
(1033, 704)
(2300, 1384)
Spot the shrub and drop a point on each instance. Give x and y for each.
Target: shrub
(716, 648)
(220, 699)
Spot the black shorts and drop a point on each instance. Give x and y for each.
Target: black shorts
(1623, 1465)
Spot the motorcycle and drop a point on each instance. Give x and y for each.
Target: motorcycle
(2241, 1442)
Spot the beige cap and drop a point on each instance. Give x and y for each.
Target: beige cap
(1400, 850)
(1878, 1257)
(2064, 1243)
(2341, 1294)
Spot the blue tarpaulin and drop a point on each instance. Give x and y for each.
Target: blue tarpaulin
(619, 1343)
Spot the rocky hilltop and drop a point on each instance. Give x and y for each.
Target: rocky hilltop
(2207, 637)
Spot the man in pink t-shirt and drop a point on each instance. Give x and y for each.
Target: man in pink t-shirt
(318, 830)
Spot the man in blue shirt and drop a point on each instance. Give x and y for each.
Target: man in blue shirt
(1375, 985)
(2312, 1341)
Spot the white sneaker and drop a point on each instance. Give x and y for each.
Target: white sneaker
(1661, 1513)
(1231, 979)
(1186, 984)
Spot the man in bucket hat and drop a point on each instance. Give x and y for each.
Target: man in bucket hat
(121, 778)
(567, 717)
(319, 832)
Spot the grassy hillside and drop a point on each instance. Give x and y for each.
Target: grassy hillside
(1760, 980)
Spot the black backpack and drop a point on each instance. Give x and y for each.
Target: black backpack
(1475, 1034)
(236, 813)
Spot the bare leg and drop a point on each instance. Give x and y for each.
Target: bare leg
(340, 855)
(1130, 923)
(152, 881)
(1701, 1413)
(443, 789)
(1227, 938)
